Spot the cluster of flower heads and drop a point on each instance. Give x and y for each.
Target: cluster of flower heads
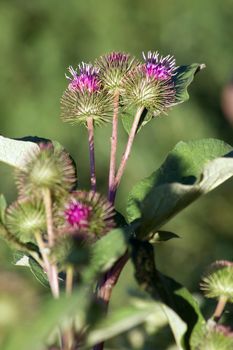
(75, 212)
(91, 88)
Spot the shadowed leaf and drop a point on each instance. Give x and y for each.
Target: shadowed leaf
(170, 292)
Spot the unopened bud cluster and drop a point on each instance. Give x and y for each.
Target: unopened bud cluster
(75, 213)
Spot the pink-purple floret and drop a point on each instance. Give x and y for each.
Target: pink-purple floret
(77, 214)
(117, 57)
(161, 68)
(86, 80)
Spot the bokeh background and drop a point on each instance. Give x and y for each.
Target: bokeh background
(40, 39)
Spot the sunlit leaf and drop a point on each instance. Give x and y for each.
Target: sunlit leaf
(190, 170)
(16, 152)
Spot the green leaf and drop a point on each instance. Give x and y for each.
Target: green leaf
(178, 326)
(128, 115)
(190, 170)
(22, 259)
(161, 236)
(106, 251)
(38, 272)
(16, 152)
(123, 319)
(52, 313)
(170, 292)
(183, 78)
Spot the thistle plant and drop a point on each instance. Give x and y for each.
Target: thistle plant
(76, 241)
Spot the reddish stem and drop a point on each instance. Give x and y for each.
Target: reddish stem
(90, 128)
(52, 273)
(220, 308)
(112, 167)
(127, 152)
(107, 284)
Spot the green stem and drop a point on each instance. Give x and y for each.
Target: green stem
(43, 248)
(46, 263)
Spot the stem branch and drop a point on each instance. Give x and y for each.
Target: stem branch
(219, 308)
(46, 264)
(90, 128)
(127, 152)
(53, 274)
(112, 166)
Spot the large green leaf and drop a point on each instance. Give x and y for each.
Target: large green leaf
(53, 313)
(125, 318)
(190, 170)
(182, 80)
(171, 293)
(16, 152)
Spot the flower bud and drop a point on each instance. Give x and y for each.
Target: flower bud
(150, 85)
(88, 214)
(85, 97)
(24, 218)
(49, 169)
(218, 280)
(112, 69)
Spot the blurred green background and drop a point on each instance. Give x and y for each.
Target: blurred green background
(40, 39)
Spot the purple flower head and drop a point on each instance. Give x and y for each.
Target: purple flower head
(86, 80)
(87, 213)
(161, 68)
(77, 214)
